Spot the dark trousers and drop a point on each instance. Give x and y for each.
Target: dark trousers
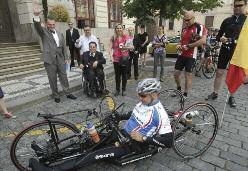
(120, 74)
(91, 75)
(74, 52)
(133, 59)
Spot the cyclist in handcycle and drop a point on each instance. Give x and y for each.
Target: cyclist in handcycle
(92, 64)
(148, 124)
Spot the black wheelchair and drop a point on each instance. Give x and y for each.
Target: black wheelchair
(100, 87)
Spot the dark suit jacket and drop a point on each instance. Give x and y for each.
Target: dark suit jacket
(71, 39)
(86, 59)
(51, 53)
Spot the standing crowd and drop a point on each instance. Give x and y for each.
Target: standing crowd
(130, 49)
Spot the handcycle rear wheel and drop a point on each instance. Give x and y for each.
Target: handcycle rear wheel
(209, 68)
(40, 133)
(192, 136)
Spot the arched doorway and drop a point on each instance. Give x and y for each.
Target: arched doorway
(6, 29)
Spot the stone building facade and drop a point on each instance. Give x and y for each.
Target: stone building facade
(16, 23)
(211, 18)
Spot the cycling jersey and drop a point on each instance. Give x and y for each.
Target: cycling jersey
(190, 35)
(149, 120)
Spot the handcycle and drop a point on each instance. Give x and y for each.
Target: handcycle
(54, 140)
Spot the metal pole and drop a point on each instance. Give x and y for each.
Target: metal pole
(227, 97)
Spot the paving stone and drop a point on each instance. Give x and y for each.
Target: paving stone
(244, 124)
(220, 145)
(235, 167)
(238, 137)
(234, 158)
(245, 146)
(243, 133)
(239, 151)
(228, 129)
(201, 165)
(217, 161)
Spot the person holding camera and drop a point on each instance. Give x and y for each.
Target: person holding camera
(193, 36)
(159, 43)
(119, 48)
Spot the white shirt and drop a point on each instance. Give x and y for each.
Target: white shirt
(56, 38)
(84, 43)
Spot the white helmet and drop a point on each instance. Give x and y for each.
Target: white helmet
(149, 85)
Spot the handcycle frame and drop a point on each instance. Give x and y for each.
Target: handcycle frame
(84, 145)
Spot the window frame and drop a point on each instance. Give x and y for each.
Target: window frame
(90, 20)
(120, 19)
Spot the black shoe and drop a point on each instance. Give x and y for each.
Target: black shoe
(57, 100)
(212, 96)
(117, 93)
(123, 93)
(71, 96)
(231, 101)
(136, 78)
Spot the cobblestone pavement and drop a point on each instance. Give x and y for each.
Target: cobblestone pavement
(228, 152)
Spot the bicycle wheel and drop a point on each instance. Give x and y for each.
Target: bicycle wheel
(209, 68)
(35, 141)
(194, 130)
(197, 65)
(172, 100)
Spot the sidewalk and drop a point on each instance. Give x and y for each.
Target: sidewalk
(26, 91)
(34, 89)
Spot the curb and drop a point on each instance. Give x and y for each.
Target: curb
(29, 100)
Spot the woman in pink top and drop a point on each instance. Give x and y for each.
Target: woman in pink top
(119, 49)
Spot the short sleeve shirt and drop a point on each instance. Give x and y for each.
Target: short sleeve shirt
(188, 35)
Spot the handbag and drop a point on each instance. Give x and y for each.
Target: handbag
(123, 61)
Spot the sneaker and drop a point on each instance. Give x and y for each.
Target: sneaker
(212, 96)
(231, 101)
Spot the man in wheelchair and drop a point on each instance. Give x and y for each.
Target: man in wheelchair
(147, 125)
(91, 62)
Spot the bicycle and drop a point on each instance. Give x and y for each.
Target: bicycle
(54, 140)
(209, 66)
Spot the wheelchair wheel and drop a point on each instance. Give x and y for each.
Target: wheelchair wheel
(85, 86)
(172, 100)
(36, 141)
(195, 130)
(209, 68)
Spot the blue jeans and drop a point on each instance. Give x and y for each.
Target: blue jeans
(157, 57)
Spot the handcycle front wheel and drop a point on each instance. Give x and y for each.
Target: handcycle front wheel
(195, 130)
(36, 141)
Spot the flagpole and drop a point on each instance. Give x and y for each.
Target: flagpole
(222, 117)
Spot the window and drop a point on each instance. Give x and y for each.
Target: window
(171, 24)
(85, 11)
(209, 21)
(114, 12)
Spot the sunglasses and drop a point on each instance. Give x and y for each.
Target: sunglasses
(70, 24)
(187, 19)
(240, 5)
(142, 95)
